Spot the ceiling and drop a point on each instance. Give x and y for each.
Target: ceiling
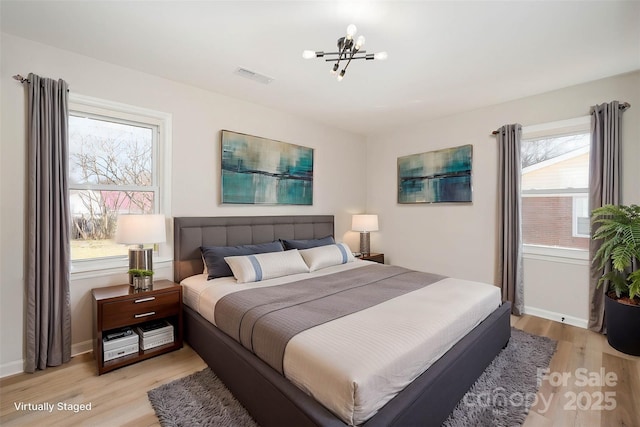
(444, 57)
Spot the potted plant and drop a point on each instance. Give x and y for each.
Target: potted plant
(142, 279)
(619, 231)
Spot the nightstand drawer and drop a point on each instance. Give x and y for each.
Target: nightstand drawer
(140, 309)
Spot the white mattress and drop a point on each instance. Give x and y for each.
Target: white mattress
(356, 364)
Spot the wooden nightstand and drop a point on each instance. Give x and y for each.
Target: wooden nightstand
(373, 257)
(118, 306)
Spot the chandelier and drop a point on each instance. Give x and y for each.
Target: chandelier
(348, 50)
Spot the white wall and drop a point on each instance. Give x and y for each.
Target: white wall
(198, 117)
(460, 240)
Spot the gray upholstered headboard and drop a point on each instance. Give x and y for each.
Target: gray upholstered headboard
(192, 232)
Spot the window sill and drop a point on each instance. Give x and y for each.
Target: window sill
(108, 267)
(556, 254)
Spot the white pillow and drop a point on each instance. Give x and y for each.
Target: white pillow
(326, 256)
(254, 268)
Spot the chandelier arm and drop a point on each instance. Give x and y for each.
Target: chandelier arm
(342, 52)
(337, 59)
(344, 70)
(338, 53)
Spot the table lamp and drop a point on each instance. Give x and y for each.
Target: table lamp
(364, 224)
(139, 230)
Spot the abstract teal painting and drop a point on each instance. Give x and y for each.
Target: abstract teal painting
(262, 171)
(440, 176)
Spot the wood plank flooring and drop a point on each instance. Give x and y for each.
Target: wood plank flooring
(119, 398)
(583, 398)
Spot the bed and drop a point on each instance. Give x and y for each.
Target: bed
(272, 399)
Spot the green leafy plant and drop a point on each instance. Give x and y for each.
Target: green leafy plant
(619, 230)
(136, 272)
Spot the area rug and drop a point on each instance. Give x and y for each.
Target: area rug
(501, 396)
(506, 390)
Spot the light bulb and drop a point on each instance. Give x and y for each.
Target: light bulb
(334, 69)
(341, 75)
(360, 42)
(380, 56)
(340, 78)
(351, 30)
(308, 54)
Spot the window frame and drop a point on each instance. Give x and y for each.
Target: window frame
(81, 105)
(574, 217)
(551, 129)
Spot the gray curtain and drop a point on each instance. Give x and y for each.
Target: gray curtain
(48, 319)
(604, 189)
(510, 217)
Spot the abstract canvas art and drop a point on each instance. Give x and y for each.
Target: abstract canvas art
(263, 171)
(440, 176)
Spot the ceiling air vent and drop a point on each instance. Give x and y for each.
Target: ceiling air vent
(252, 75)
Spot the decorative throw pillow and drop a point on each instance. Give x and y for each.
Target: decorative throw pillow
(214, 256)
(326, 256)
(255, 268)
(306, 244)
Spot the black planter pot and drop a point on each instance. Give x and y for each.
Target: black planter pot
(623, 326)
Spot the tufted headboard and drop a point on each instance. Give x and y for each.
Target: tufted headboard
(192, 232)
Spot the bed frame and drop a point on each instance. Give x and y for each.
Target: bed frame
(269, 397)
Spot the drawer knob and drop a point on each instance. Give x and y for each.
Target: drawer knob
(151, 313)
(144, 300)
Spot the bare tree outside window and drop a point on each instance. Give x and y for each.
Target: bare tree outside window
(535, 151)
(110, 172)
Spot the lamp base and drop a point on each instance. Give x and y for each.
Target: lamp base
(365, 243)
(140, 259)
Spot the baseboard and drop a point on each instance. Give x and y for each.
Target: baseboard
(11, 368)
(558, 317)
(17, 367)
(81, 347)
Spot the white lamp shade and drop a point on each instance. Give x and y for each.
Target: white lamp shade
(140, 229)
(364, 223)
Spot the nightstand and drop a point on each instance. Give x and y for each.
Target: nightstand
(373, 257)
(119, 306)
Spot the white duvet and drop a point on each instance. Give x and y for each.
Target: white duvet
(356, 364)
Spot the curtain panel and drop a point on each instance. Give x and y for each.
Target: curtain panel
(48, 317)
(604, 189)
(510, 216)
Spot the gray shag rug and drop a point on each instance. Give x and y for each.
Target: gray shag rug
(501, 396)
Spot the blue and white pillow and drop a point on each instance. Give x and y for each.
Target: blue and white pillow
(258, 267)
(326, 256)
(213, 256)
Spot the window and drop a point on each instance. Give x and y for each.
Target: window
(116, 156)
(555, 187)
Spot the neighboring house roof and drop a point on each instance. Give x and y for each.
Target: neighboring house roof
(570, 170)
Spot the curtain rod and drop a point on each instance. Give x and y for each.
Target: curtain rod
(21, 79)
(623, 106)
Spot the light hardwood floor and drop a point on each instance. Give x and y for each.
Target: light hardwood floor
(119, 398)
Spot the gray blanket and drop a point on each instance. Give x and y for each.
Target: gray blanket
(263, 320)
